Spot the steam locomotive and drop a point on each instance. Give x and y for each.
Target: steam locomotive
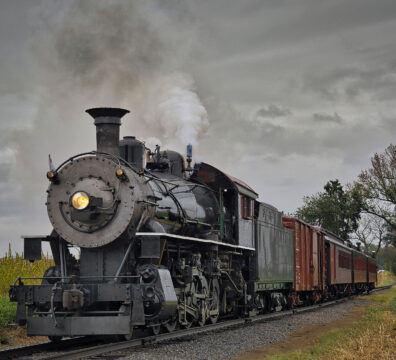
(162, 245)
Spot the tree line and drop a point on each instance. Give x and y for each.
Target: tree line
(363, 211)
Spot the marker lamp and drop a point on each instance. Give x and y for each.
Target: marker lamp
(52, 176)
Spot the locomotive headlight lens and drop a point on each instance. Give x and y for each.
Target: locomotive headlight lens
(80, 200)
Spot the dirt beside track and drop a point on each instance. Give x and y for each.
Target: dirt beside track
(304, 337)
(16, 336)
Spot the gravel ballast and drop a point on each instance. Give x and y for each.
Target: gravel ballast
(230, 343)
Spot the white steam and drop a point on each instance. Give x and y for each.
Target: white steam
(172, 111)
(181, 111)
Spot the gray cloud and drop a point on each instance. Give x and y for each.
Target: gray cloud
(321, 117)
(273, 111)
(377, 82)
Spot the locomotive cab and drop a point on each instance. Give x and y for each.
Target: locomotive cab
(236, 200)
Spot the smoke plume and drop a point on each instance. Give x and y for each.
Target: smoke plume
(128, 54)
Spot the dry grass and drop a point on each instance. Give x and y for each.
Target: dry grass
(385, 278)
(373, 337)
(376, 341)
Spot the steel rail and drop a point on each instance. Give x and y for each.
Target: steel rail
(383, 287)
(27, 350)
(11, 353)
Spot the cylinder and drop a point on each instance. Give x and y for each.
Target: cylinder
(107, 122)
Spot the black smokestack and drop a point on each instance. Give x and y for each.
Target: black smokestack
(107, 122)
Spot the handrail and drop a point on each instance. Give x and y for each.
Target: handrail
(75, 277)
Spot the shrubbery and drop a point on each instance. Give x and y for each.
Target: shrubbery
(13, 266)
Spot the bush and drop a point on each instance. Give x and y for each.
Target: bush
(13, 266)
(393, 268)
(386, 257)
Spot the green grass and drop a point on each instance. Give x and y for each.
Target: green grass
(7, 311)
(370, 338)
(7, 315)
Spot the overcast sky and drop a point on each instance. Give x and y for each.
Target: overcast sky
(282, 94)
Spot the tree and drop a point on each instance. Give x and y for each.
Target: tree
(386, 257)
(335, 209)
(377, 187)
(372, 233)
(390, 235)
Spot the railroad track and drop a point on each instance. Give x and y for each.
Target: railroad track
(54, 350)
(383, 287)
(19, 351)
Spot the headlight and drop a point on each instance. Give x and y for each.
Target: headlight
(80, 200)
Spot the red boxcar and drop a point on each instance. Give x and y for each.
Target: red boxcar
(372, 271)
(309, 255)
(339, 261)
(359, 268)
